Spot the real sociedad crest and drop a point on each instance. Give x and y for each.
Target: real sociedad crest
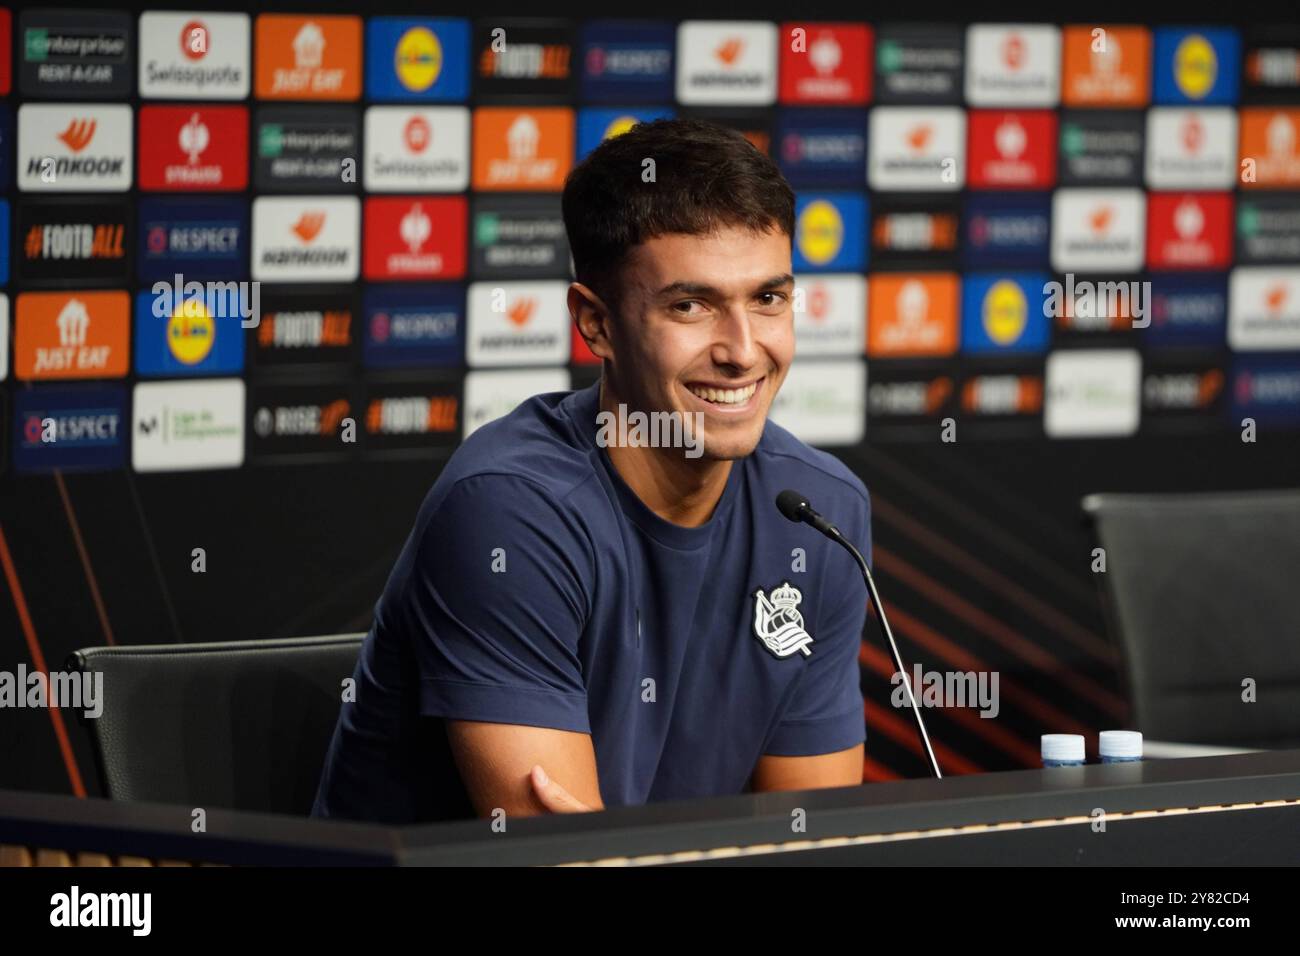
(778, 623)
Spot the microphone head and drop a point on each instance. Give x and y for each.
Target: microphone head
(792, 504)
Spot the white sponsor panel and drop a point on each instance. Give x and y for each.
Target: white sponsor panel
(517, 323)
(1264, 309)
(183, 426)
(74, 147)
(1092, 393)
(424, 149)
(824, 401)
(492, 394)
(833, 320)
(1098, 230)
(306, 238)
(4, 336)
(912, 148)
(1013, 64)
(194, 56)
(1191, 148)
(726, 63)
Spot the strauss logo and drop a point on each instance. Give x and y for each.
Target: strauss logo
(194, 138)
(414, 228)
(824, 54)
(78, 134)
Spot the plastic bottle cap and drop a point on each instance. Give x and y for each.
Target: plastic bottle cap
(1062, 746)
(1120, 743)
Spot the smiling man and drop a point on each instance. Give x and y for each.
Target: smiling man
(580, 619)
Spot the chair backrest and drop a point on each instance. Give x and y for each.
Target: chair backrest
(237, 724)
(1203, 592)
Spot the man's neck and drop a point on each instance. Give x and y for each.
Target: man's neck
(678, 489)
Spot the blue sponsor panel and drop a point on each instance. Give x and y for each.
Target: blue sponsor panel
(200, 239)
(595, 125)
(1002, 313)
(1196, 66)
(830, 232)
(1188, 311)
(822, 147)
(425, 59)
(1007, 231)
(88, 424)
(414, 326)
(200, 335)
(1267, 389)
(627, 62)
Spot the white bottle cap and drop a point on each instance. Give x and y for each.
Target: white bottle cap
(1120, 743)
(1062, 746)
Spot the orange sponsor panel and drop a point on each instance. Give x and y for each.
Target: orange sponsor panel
(1106, 66)
(61, 335)
(522, 149)
(1270, 147)
(308, 58)
(912, 314)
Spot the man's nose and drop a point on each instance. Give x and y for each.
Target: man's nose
(735, 345)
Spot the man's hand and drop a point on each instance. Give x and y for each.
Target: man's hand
(554, 797)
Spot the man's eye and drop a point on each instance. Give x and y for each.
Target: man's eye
(685, 307)
(771, 298)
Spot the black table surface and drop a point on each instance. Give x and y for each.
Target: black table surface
(1243, 808)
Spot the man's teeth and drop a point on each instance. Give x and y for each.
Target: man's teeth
(724, 396)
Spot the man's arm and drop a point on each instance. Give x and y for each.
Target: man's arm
(842, 769)
(497, 761)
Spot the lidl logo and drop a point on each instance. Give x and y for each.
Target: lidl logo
(1197, 66)
(1004, 313)
(194, 336)
(417, 59)
(830, 232)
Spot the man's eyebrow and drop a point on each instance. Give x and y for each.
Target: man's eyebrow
(704, 289)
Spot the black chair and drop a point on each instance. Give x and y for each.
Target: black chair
(237, 724)
(1203, 591)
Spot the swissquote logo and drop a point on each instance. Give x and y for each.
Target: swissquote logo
(778, 625)
(75, 147)
(194, 56)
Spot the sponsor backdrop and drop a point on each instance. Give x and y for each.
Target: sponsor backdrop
(263, 270)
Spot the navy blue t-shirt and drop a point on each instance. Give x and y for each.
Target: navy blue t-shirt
(537, 589)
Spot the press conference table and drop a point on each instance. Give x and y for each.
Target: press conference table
(1222, 810)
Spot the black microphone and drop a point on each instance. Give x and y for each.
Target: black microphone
(795, 507)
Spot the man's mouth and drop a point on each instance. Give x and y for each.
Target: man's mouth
(726, 397)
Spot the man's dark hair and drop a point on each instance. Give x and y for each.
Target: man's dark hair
(706, 176)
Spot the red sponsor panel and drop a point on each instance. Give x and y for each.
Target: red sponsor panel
(194, 148)
(415, 237)
(1011, 149)
(6, 56)
(826, 63)
(1189, 230)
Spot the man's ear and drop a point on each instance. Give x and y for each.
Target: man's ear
(592, 317)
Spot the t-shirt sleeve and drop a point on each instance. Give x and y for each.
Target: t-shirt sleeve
(497, 600)
(824, 713)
